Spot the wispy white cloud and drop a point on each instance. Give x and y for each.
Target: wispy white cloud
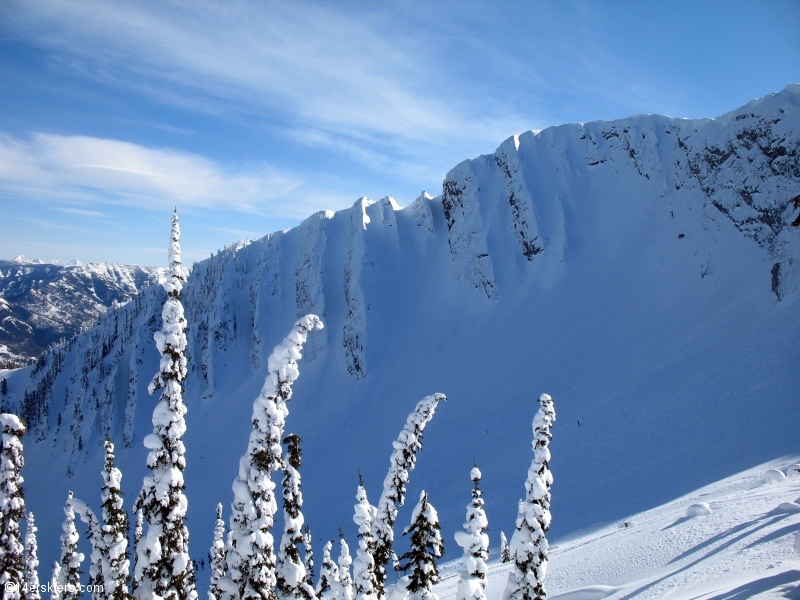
(82, 212)
(80, 169)
(301, 65)
(407, 90)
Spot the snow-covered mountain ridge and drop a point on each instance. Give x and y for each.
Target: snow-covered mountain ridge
(41, 303)
(643, 272)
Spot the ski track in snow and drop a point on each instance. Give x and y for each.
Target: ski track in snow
(743, 549)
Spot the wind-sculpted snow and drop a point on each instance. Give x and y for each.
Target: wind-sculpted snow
(644, 271)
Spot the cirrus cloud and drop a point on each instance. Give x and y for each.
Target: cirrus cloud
(89, 170)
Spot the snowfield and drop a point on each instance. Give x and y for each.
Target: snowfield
(743, 548)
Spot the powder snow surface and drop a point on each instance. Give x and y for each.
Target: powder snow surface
(743, 549)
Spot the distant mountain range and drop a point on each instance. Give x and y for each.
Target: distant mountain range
(41, 303)
(644, 272)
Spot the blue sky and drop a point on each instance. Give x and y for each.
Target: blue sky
(250, 116)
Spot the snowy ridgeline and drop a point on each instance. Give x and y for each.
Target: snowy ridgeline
(744, 542)
(633, 268)
(495, 212)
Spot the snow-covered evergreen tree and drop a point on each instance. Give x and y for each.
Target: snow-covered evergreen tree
(163, 566)
(475, 542)
(31, 561)
(216, 554)
(12, 506)
(364, 564)
(344, 588)
(291, 571)
(55, 582)
(328, 574)
(70, 575)
(308, 559)
(98, 559)
(401, 463)
(138, 532)
(505, 553)
(426, 547)
(250, 545)
(116, 575)
(529, 544)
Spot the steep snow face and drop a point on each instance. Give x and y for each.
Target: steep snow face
(354, 332)
(523, 219)
(466, 227)
(623, 267)
(42, 303)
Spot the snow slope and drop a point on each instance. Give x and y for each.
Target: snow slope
(643, 272)
(743, 548)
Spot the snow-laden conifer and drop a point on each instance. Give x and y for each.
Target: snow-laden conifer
(163, 566)
(138, 531)
(291, 571)
(401, 463)
(12, 507)
(116, 575)
(216, 556)
(344, 588)
(505, 553)
(529, 544)
(426, 547)
(328, 574)
(475, 542)
(55, 582)
(31, 561)
(364, 564)
(70, 574)
(98, 559)
(308, 559)
(250, 545)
